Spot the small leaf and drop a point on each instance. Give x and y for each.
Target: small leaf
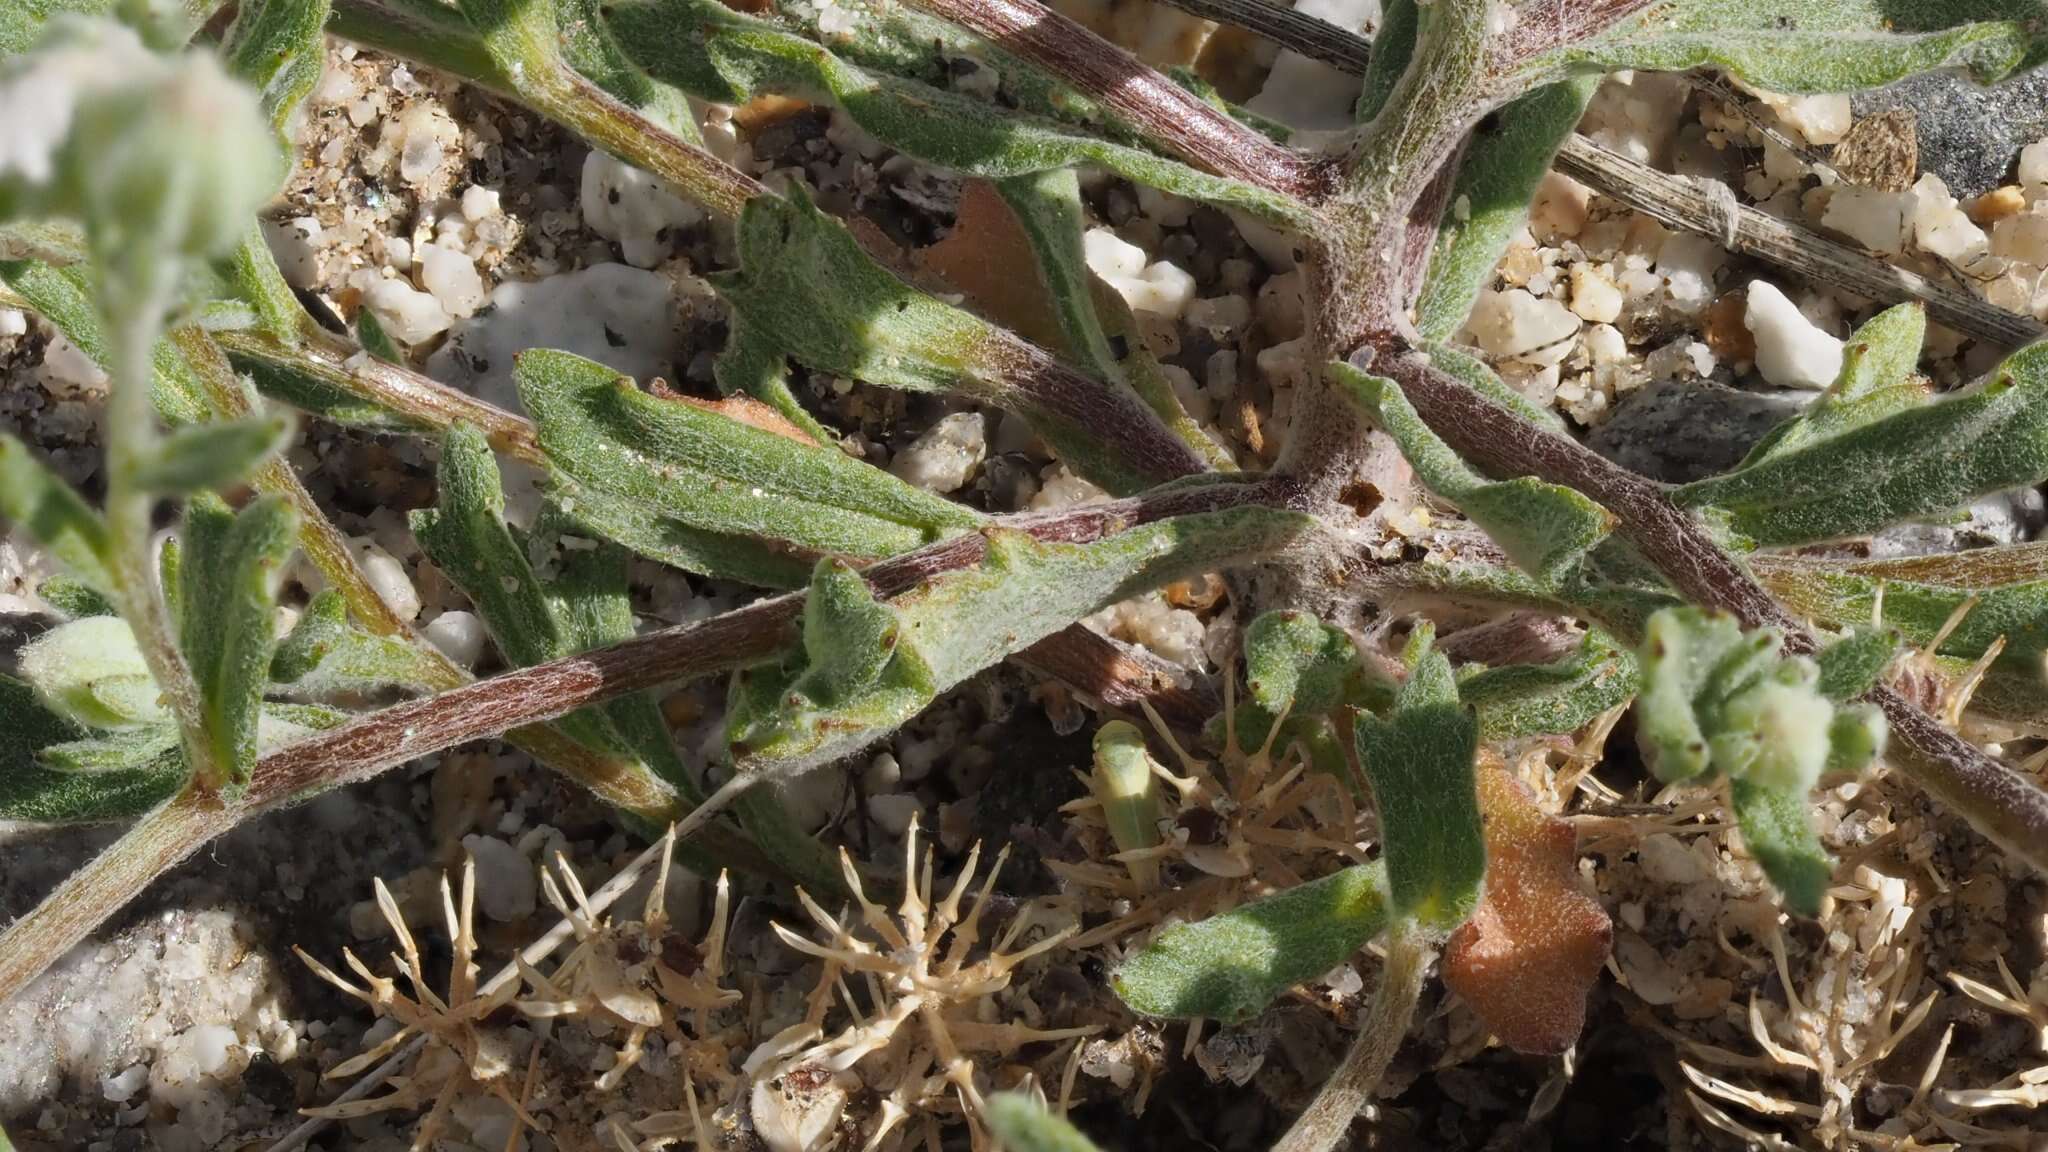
(1504, 162)
(849, 637)
(1022, 1124)
(1230, 966)
(690, 486)
(227, 593)
(215, 455)
(32, 793)
(1297, 665)
(1420, 763)
(324, 656)
(717, 54)
(1876, 381)
(92, 672)
(64, 297)
(1853, 665)
(35, 501)
(1814, 45)
(465, 536)
(1545, 528)
(1532, 699)
(126, 750)
(1777, 828)
(1913, 463)
(962, 622)
(278, 47)
(73, 598)
(1535, 946)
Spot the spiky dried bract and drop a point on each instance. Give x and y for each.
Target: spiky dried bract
(469, 1048)
(931, 1029)
(1536, 944)
(640, 976)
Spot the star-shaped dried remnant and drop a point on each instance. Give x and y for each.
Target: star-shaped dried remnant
(466, 1048)
(1535, 945)
(929, 1010)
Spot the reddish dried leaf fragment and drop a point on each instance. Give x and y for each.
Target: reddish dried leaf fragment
(1533, 949)
(744, 409)
(989, 257)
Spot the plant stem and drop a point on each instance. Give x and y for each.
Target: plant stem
(1324, 1124)
(1160, 110)
(88, 896)
(2005, 806)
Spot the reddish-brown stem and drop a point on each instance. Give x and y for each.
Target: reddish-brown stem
(1996, 800)
(1162, 111)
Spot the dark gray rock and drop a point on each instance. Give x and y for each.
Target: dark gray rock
(1969, 135)
(1683, 430)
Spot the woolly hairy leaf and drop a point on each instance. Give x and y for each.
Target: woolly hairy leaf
(691, 487)
(324, 656)
(1503, 164)
(1093, 319)
(201, 456)
(73, 598)
(804, 279)
(227, 590)
(1022, 1124)
(35, 501)
(1816, 45)
(717, 54)
(1777, 827)
(33, 793)
(1230, 966)
(92, 672)
(125, 750)
(1876, 381)
(1545, 528)
(1853, 665)
(278, 47)
(1295, 663)
(1910, 464)
(2009, 586)
(962, 622)
(1419, 759)
(1530, 699)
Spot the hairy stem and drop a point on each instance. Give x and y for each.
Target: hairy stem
(88, 896)
(1325, 1123)
(1162, 111)
(2005, 806)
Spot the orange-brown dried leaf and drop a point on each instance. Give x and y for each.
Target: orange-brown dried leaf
(1534, 947)
(744, 409)
(989, 257)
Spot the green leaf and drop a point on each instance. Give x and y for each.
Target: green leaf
(1876, 381)
(64, 297)
(1815, 45)
(278, 47)
(325, 657)
(1545, 528)
(35, 501)
(1914, 463)
(717, 54)
(700, 490)
(228, 574)
(92, 672)
(1777, 827)
(202, 456)
(962, 622)
(155, 749)
(1853, 665)
(1297, 665)
(1419, 760)
(1230, 966)
(1393, 47)
(73, 598)
(805, 279)
(1125, 783)
(1503, 164)
(1022, 1124)
(1534, 699)
(35, 794)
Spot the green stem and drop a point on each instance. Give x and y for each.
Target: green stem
(1324, 1124)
